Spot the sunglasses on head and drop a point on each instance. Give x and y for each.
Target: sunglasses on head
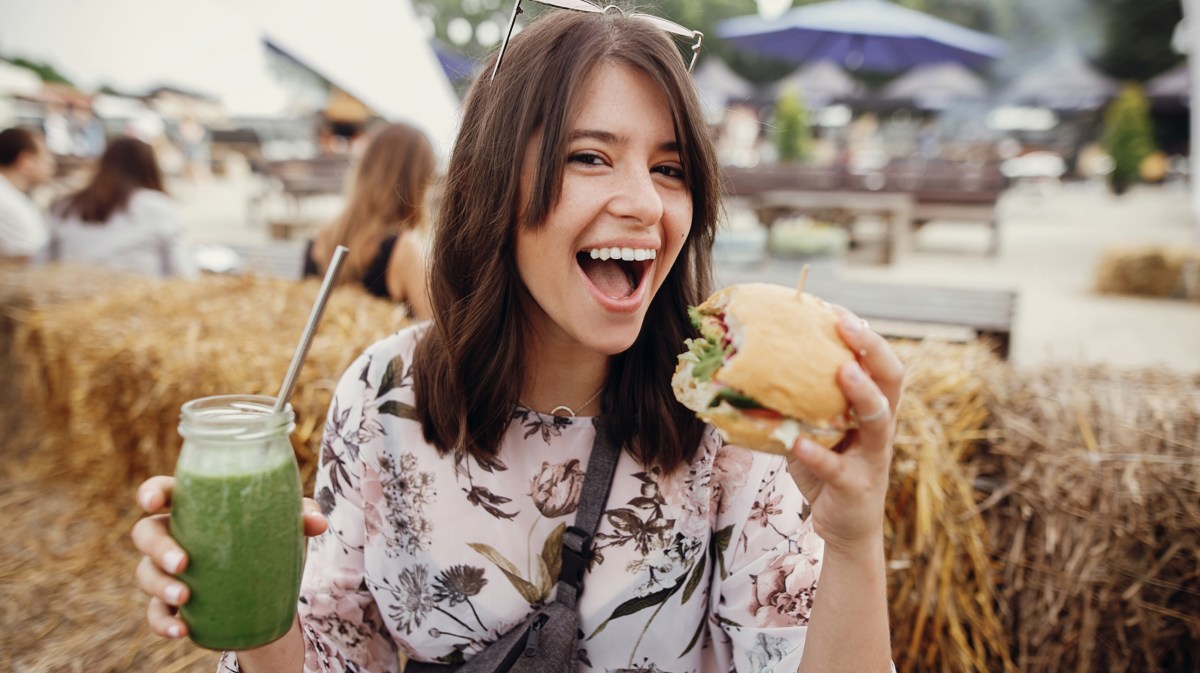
(585, 6)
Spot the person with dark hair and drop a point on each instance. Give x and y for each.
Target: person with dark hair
(383, 221)
(123, 218)
(575, 230)
(24, 164)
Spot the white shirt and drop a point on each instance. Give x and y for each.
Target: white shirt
(146, 237)
(22, 229)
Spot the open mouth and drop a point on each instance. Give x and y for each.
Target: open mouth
(617, 272)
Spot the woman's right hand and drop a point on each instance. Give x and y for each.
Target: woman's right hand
(163, 558)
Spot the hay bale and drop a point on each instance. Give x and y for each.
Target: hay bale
(1154, 271)
(25, 289)
(107, 376)
(1096, 518)
(941, 580)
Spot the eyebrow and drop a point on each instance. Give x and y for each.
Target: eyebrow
(611, 138)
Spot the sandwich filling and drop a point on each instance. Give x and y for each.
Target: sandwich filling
(699, 388)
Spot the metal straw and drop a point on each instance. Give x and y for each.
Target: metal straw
(318, 309)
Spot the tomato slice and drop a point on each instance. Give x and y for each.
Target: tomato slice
(764, 414)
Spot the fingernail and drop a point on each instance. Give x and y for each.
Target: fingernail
(174, 631)
(174, 593)
(851, 324)
(144, 498)
(172, 560)
(806, 446)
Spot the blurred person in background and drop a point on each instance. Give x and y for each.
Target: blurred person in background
(87, 131)
(56, 128)
(25, 163)
(195, 146)
(123, 218)
(383, 221)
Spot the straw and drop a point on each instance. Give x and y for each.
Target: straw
(318, 309)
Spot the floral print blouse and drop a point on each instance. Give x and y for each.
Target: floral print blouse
(709, 569)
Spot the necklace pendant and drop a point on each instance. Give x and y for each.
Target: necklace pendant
(569, 410)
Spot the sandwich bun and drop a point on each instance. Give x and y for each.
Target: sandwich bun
(784, 352)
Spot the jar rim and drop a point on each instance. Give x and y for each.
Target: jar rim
(234, 417)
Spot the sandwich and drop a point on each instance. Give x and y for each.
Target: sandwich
(764, 369)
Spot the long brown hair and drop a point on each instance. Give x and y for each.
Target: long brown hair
(127, 165)
(385, 196)
(471, 361)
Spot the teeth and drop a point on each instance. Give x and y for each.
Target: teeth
(626, 254)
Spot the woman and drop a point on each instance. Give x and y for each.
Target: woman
(383, 220)
(590, 136)
(123, 218)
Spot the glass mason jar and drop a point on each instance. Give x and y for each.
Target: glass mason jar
(236, 510)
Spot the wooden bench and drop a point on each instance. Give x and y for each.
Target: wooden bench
(299, 182)
(907, 311)
(895, 309)
(279, 260)
(935, 190)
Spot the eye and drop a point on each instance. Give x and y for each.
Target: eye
(586, 158)
(669, 171)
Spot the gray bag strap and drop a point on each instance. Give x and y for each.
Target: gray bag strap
(577, 539)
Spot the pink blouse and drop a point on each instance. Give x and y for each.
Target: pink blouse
(710, 568)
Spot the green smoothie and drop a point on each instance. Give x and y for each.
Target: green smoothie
(241, 526)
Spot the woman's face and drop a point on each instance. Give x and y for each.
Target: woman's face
(596, 262)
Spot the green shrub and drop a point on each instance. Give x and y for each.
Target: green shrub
(792, 135)
(1128, 135)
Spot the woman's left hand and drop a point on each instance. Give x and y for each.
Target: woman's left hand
(846, 488)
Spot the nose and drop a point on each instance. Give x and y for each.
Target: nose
(636, 198)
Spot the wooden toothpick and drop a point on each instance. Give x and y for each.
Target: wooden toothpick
(803, 279)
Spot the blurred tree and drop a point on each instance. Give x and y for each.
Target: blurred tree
(1128, 136)
(793, 138)
(1137, 37)
(473, 27)
(43, 70)
(973, 14)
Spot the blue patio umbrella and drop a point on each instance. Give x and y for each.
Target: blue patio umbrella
(456, 65)
(868, 35)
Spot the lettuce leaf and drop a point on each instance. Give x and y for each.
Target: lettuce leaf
(736, 399)
(707, 352)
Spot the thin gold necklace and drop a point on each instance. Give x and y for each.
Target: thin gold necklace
(569, 410)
